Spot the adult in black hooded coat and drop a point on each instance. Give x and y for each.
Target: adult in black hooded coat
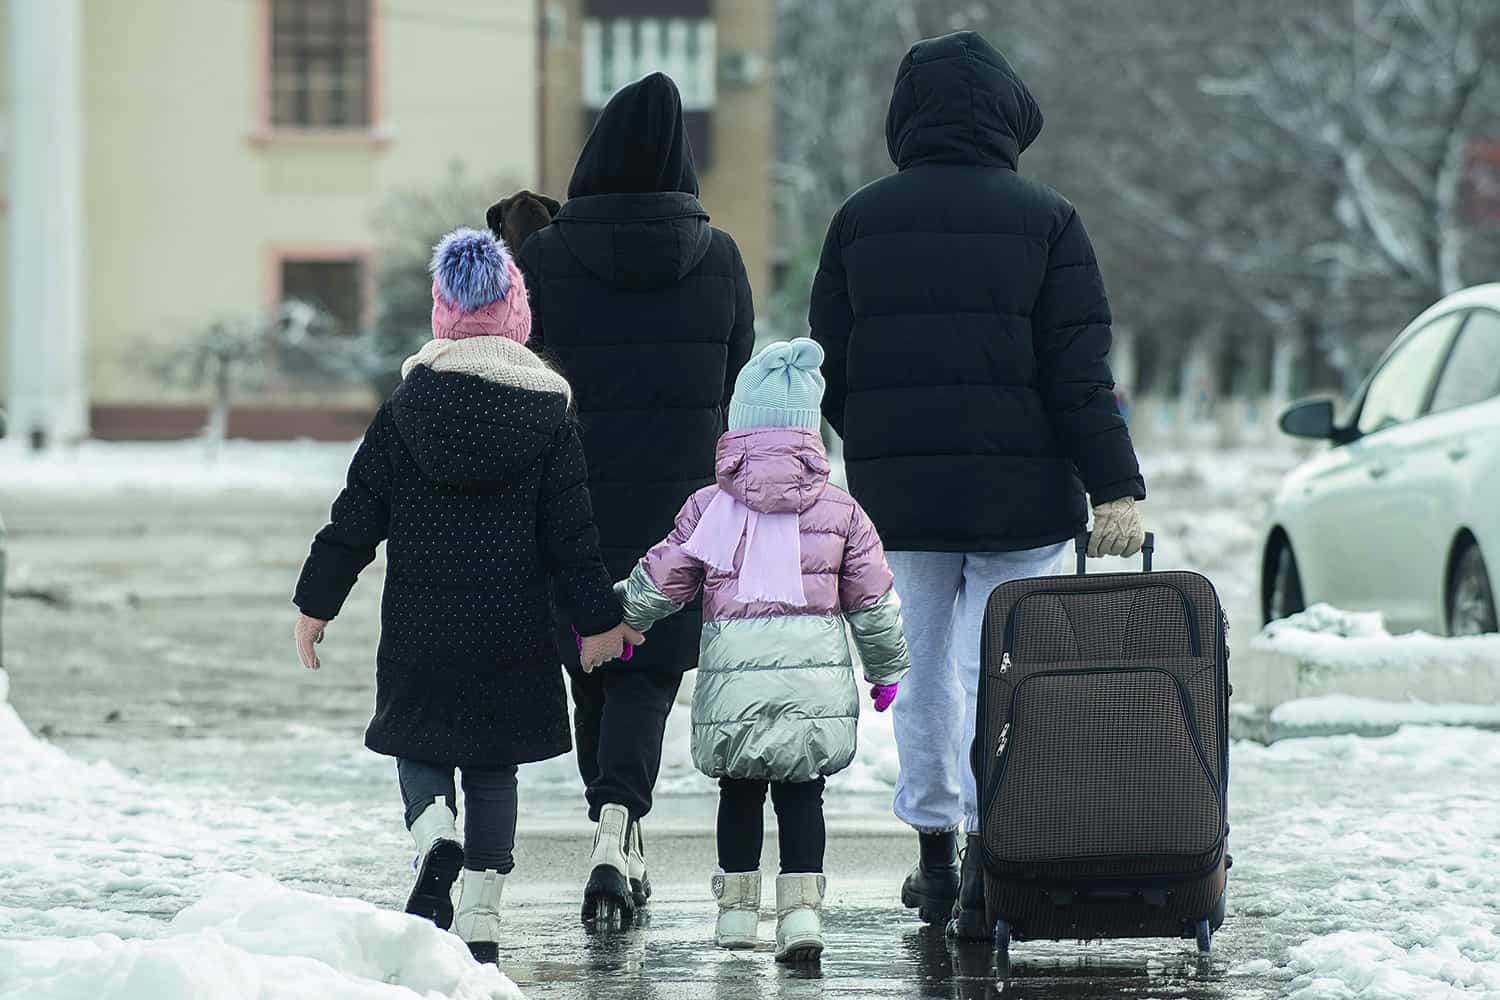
(647, 309)
(966, 331)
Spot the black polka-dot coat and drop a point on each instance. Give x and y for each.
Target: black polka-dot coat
(480, 491)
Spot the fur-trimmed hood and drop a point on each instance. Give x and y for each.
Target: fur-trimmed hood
(494, 359)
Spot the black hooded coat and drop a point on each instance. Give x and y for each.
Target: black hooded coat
(966, 325)
(481, 494)
(646, 308)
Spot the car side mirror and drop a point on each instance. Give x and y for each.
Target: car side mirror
(1312, 418)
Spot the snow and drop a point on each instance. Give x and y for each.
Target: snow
(294, 467)
(1333, 710)
(256, 939)
(1347, 640)
(107, 844)
(1405, 856)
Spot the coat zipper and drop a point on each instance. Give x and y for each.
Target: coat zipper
(1195, 645)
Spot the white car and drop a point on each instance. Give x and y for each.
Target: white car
(1402, 514)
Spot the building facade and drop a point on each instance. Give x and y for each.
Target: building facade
(175, 163)
(719, 53)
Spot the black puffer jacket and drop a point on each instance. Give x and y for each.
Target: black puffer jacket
(646, 308)
(966, 325)
(481, 491)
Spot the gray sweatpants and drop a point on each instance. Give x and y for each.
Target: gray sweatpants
(943, 597)
(489, 808)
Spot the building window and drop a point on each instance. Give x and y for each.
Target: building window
(321, 74)
(621, 50)
(337, 286)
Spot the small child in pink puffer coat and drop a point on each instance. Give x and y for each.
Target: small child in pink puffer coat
(784, 561)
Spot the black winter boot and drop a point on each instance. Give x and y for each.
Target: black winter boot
(932, 887)
(970, 922)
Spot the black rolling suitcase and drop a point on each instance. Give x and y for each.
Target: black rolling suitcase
(1102, 756)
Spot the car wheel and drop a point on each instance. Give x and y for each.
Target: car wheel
(1284, 593)
(1471, 604)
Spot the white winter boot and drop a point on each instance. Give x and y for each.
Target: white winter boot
(478, 918)
(739, 909)
(799, 917)
(439, 858)
(640, 882)
(607, 899)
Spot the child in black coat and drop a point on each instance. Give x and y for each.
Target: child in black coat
(473, 474)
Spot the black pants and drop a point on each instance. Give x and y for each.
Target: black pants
(799, 824)
(489, 808)
(619, 719)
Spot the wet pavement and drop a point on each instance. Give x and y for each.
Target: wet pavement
(154, 632)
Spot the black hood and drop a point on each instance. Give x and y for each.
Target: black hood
(957, 100)
(639, 144)
(465, 431)
(636, 241)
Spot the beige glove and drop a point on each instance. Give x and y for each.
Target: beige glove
(309, 633)
(596, 650)
(1117, 529)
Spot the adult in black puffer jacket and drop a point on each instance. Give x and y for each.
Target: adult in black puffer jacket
(966, 331)
(647, 310)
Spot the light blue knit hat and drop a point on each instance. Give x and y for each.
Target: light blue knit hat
(780, 387)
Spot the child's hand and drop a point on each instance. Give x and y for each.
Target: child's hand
(596, 650)
(309, 633)
(883, 695)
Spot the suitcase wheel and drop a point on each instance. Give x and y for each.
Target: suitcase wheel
(1205, 937)
(1002, 945)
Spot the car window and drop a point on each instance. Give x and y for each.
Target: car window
(1472, 373)
(1398, 392)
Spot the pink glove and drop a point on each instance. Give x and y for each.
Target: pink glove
(883, 695)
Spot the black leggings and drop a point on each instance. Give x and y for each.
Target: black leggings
(799, 824)
(619, 718)
(489, 808)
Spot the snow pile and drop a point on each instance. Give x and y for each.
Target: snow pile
(1384, 876)
(293, 467)
(1327, 636)
(123, 895)
(252, 938)
(1342, 710)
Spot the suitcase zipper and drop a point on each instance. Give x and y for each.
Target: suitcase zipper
(1195, 645)
(1184, 700)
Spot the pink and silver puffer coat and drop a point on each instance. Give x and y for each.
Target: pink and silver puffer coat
(776, 697)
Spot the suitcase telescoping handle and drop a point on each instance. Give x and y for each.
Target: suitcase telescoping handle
(1081, 546)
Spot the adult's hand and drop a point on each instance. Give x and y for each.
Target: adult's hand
(1117, 529)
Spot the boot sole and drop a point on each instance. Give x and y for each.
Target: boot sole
(970, 925)
(802, 953)
(640, 891)
(485, 952)
(607, 900)
(432, 896)
(932, 911)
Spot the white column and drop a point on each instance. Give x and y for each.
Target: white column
(47, 398)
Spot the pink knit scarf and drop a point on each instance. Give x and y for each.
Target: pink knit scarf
(772, 567)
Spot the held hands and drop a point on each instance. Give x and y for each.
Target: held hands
(617, 644)
(1117, 529)
(309, 633)
(883, 694)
